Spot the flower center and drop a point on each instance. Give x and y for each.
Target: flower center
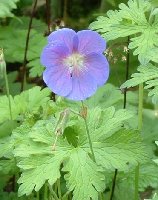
(74, 61)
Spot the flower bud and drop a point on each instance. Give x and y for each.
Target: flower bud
(2, 63)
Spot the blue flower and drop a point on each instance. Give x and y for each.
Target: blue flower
(75, 65)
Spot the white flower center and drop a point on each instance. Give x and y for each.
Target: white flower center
(74, 61)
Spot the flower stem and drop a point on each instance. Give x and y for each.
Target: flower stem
(140, 123)
(45, 191)
(59, 188)
(113, 184)
(88, 134)
(53, 193)
(90, 142)
(38, 196)
(65, 196)
(101, 195)
(140, 107)
(7, 90)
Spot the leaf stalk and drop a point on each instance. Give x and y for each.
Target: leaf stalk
(88, 135)
(140, 123)
(4, 71)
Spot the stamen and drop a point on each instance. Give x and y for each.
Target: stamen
(74, 61)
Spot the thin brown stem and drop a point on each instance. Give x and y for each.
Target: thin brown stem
(127, 75)
(124, 106)
(113, 184)
(26, 47)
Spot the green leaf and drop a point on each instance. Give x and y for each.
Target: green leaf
(153, 54)
(148, 176)
(6, 7)
(8, 166)
(13, 196)
(83, 177)
(156, 160)
(154, 3)
(105, 96)
(123, 191)
(114, 147)
(37, 158)
(7, 161)
(149, 131)
(7, 127)
(120, 150)
(147, 74)
(129, 20)
(36, 69)
(23, 23)
(40, 149)
(38, 170)
(103, 123)
(14, 47)
(6, 147)
(28, 101)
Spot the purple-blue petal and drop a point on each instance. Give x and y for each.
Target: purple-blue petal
(58, 79)
(83, 86)
(64, 36)
(52, 55)
(90, 41)
(83, 82)
(98, 67)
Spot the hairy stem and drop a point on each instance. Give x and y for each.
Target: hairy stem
(23, 83)
(140, 123)
(88, 135)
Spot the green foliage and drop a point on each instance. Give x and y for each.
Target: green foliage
(28, 101)
(40, 150)
(13, 40)
(108, 138)
(106, 96)
(83, 176)
(120, 149)
(149, 75)
(156, 160)
(148, 176)
(46, 142)
(6, 7)
(130, 20)
(37, 159)
(149, 131)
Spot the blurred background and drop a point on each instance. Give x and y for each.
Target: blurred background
(47, 16)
